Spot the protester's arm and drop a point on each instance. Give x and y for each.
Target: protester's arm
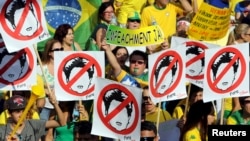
(40, 102)
(236, 104)
(195, 6)
(237, 11)
(186, 6)
(112, 59)
(100, 35)
(83, 112)
(181, 122)
(165, 44)
(59, 113)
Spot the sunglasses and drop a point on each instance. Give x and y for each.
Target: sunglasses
(138, 21)
(146, 97)
(135, 61)
(147, 139)
(57, 49)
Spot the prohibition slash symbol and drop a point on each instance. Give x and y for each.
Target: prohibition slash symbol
(237, 55)
(196, 58)
(106, 118)
(67, 85)
(176, 60)
(12, 61)
(19, 24)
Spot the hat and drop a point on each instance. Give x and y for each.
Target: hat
(134, 16)
(16, 102)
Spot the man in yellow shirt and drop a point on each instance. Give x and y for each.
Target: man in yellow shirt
(152, 110)
(164, 14)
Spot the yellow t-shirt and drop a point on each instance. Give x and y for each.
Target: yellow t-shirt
(164, 116)
(177, 113)
(130, 6)
(192, 135)
(165, 18)
(4, 116)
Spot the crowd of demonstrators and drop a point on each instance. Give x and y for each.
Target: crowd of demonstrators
(34, 111)
(195, 95)
(27, 129)
(138, 63)
(72, 121)
(46, 69)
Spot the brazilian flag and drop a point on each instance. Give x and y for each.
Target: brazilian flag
(82, 15)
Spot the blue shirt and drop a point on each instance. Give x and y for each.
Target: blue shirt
(219, 3)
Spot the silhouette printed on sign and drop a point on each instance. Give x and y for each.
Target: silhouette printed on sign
(196, 68)
(14, 14)
(82, 83)
(112, 99)
(219, 65)
(12, 69)
(168, 77)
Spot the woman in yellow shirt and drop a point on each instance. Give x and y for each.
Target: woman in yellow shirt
(200, 115)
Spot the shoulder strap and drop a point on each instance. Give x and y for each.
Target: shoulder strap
(32, 129)
(73, 45)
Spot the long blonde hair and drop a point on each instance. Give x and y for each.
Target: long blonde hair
(236, 34)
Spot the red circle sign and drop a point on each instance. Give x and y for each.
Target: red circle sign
(67, 86)
(106, 118)
(176, 59)
(15, 33)
(13, 59)
(196, 58)
(237, 55)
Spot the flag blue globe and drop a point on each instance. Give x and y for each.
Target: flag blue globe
(62, 12)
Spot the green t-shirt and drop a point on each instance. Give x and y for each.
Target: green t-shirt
(65, 132)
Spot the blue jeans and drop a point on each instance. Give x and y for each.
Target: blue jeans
(45, 113)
